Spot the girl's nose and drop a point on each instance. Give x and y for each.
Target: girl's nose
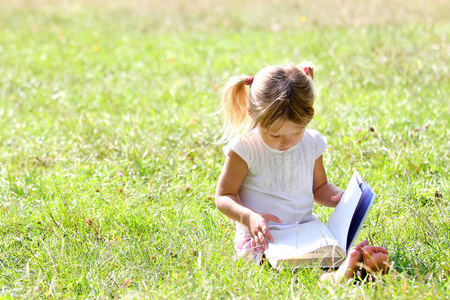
(286, 142)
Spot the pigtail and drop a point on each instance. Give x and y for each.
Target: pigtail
(234, 106)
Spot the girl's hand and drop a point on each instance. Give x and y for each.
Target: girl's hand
(337, 197)
(260, 231)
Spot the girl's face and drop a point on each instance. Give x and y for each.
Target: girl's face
(286, 136)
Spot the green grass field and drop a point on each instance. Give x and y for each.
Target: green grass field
(107, 158)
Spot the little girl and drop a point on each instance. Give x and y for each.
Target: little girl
(274, 172)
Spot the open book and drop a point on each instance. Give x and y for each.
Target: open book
(314, 243)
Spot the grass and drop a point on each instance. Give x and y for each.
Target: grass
(107, 157)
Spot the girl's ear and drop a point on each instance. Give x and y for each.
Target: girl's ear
(250, 113)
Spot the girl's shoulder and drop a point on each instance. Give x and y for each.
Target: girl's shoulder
(316, 141)
(244, 143)
(314, 134)
(247, 146)
(248, 138)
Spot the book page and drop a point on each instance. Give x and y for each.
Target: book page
(342, 216)
(362, 210)
(311, 236)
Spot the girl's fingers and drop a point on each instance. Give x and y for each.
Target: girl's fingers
(272, 218)
(337, 197)
(259, 240)
(262, 240)
(256, 245)
(267, 234)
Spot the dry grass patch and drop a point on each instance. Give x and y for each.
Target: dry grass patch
(261, 13)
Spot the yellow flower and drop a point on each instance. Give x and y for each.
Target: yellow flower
(302, 19)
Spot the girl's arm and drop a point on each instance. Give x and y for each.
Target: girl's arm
(227, 201)
(325, 193)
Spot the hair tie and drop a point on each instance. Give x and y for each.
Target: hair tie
(309, 72)
(249, 81)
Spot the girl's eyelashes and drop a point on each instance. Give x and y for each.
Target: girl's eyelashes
(275, 136)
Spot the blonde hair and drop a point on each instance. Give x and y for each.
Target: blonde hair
(278, 93)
